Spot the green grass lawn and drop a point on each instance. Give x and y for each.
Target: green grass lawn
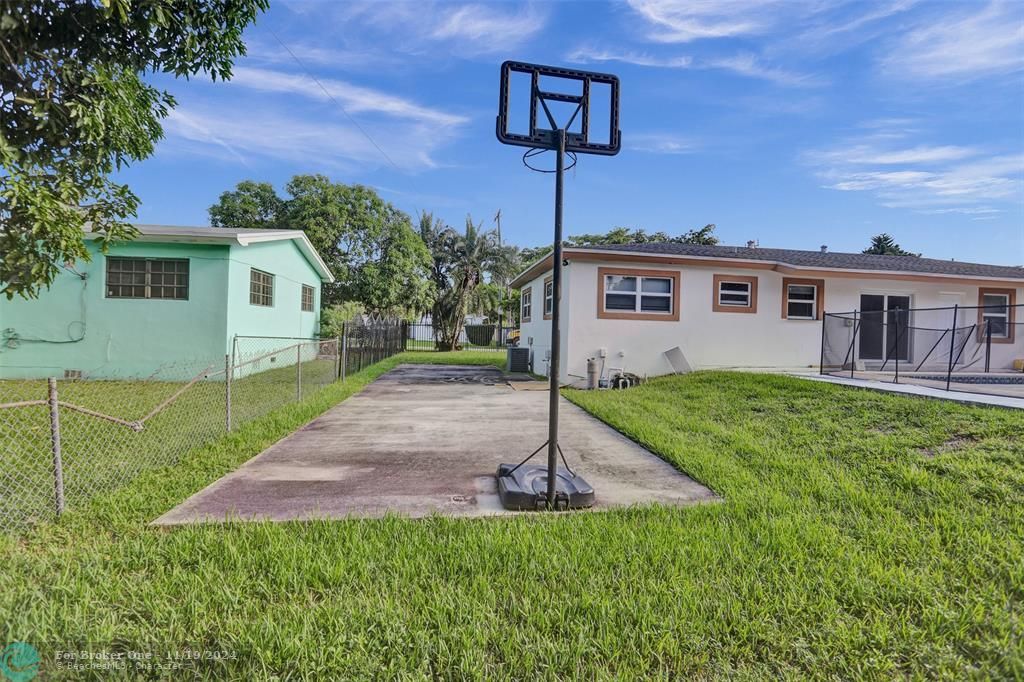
(862, 536)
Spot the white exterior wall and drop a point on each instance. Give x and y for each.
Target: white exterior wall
(536, 334)
(711, 339)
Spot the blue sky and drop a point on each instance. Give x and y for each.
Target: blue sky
(793, 123)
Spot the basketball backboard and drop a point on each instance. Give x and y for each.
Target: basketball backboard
(547, 98)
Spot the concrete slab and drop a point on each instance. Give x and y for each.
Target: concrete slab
(921, 389)
(427, 439)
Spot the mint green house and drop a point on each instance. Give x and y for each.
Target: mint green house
(173, 295)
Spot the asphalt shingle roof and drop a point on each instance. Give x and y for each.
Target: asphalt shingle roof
(828, 259)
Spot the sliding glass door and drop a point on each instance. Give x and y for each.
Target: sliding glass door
(884, 332)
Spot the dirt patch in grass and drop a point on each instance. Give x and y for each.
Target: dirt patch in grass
(953, 444)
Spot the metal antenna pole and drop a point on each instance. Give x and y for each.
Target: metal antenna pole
(555, 367)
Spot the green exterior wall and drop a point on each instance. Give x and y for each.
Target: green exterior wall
(291, 270)
(73, 326)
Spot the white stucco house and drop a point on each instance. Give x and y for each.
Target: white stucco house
(738, 307)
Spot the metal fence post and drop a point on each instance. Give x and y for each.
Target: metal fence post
(853, 343)
(344, 351)
(952, 346)
(821, 360)
(897, 318)
(228, 370)
(337, 358)
(58, 467)
(298, 371)
(988, 345)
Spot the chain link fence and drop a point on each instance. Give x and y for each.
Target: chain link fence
(63, 441)
(978, 349)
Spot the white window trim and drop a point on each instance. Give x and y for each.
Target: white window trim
(639, 293)
(813, 302)
(1005, 315)
(549, 297)
(526, 305)
(733, 304)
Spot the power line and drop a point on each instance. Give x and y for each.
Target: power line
(336, 102)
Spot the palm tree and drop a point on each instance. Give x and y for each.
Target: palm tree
(471, 257)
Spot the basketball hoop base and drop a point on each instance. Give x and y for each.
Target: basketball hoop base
(524, 488)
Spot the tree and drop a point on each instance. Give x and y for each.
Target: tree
(463, 261)
(74, 109)
(252, 204)
(623, 235)
(884, 245)
(375, 255)
(626, 235)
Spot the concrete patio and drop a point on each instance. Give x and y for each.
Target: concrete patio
(426, 439)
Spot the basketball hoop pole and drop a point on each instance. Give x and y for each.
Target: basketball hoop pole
(554, 369)
(521, 486)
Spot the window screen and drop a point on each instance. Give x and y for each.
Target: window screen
(801, 302)
(261, 288)
(734, 294)
(165, 278)
(996, 315)
(630, 293)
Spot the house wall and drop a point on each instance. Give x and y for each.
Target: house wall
(291, 270)
(536, 334)
(74, 326)
(709, 339)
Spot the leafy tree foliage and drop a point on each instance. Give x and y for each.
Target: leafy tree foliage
(884, 245)
(463, 261)
(371, 247)
(626, 235)
(252, 204)
(74, 108)
(623, 235)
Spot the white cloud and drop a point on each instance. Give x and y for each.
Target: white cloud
(661, 143)
(273, 53)
(586, 55)
(744, 64)
(751, 66)
(239, 132)
(962, 46)
(871, 154)
(441, 28)
(927, 178)
(488, 28)
(355, 99)
(682, 21)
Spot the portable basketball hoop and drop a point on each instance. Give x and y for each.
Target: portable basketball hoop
(534, 486)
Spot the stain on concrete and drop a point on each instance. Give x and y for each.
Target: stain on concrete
(427, 439)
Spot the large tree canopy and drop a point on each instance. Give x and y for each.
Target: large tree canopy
(371, 247)
(74, 108)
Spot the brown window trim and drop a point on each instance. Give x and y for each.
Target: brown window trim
(718, 279)
(526, 291)
(819, 299)
(544, 299)
(1011, 300)
(635, 272)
